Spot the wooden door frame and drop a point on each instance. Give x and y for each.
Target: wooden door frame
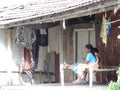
(75, 38)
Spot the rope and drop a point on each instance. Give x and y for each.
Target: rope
(114, 21)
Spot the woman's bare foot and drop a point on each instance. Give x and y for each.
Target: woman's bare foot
(79, 81)
(76, 81)
(65, 65)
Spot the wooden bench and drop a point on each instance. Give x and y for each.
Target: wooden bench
(106, 69)
(90, 72)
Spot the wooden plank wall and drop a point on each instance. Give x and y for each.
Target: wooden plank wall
(111, 53)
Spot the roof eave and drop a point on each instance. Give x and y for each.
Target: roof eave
(78, 12)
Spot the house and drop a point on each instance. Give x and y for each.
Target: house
(70, 23)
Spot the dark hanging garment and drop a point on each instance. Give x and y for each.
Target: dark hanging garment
(25, 36)
(29, 40)
(35, 55)
(43, 37)
(35, 50)
(41, 40)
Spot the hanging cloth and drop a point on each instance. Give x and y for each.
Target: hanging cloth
(26, 58)
(103, 31)
(25, 36)
(43, 37)
(35, 50)
(26, 62)
(108, 26)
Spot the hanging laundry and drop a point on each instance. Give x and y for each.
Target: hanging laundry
(108, 26)
(103, 31)
(43, 37)
(41, 40)
(26, 61)
(35, 50)
(25, 36)
(29, 40)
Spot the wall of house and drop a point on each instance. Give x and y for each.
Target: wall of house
(9, 58)
(110, 53)
(10, 62)
(68, 54)
(68, 51)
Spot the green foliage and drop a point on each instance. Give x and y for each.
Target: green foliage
(118, 72)
(114, 86)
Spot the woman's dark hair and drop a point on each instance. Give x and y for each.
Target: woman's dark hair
(95, 50)
(89, 46)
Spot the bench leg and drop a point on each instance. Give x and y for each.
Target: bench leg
(91, 78)
(61, 75)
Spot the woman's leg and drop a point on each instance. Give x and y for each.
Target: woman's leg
(77, 80)
(66, 65)
(81, 77)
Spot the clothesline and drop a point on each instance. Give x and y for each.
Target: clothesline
(114, 21)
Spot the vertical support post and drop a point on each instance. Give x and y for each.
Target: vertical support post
(61, 55)
(61, 75)
(76, 45)
(90, 77)
(9, 55)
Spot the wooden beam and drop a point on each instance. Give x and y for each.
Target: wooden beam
(44, 25)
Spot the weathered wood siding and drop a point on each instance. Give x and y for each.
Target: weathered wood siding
(68, 52)
(111, 53)
(10, 60)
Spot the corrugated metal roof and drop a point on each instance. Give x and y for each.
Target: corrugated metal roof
(39, 8)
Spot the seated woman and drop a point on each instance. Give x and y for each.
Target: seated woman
(80, 68)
